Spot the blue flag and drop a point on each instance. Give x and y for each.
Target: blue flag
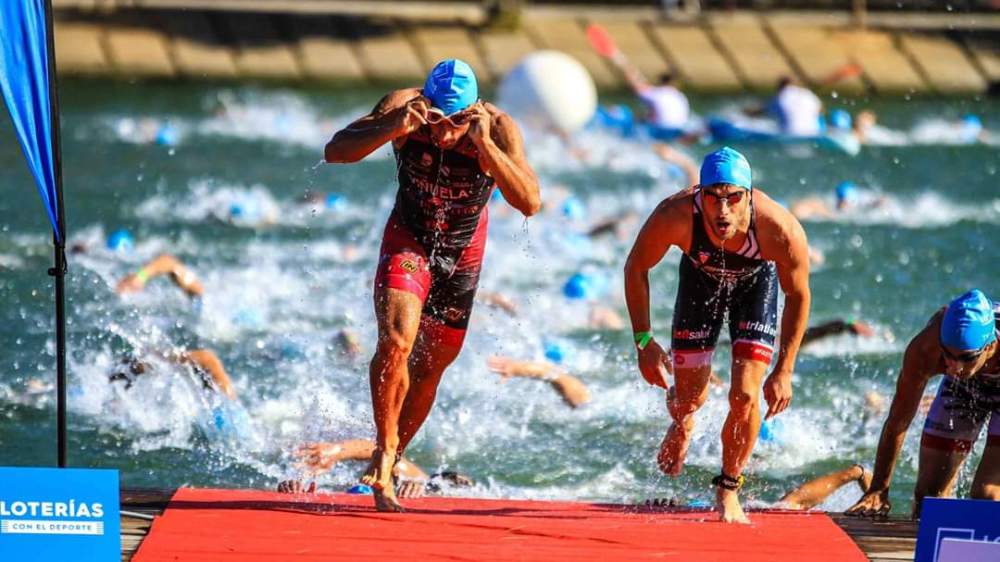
(24, 80)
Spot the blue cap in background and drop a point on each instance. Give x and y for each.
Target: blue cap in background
(121, 241)
(451, 86)
(845, 191)
(840, 119)
(726, 166)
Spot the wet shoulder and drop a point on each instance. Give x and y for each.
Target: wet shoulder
(678, 206)
(924, 348)
(776, 228)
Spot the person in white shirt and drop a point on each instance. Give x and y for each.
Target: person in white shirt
(667, 106)
(797, 109)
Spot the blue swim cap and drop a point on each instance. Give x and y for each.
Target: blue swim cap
(585, 286)
(969, 323)
(360, 489)
(840, 119)
(972, 120)
(574, 209)
(451, 86)
(576, 286)
(121, 241)
(846, 191)
(553, 351)
(335, 201)
(726, 166)
(166, 135)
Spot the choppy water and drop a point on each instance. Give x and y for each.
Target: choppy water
(283, 278)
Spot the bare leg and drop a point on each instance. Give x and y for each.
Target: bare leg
(815, 491)
(398, 314)
(739, 433)
(427, 364)
(689, 392)
(986, 485)
(936, 474)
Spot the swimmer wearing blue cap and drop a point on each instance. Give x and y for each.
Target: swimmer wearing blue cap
(739, 246)
(960, 342)
(452, 150)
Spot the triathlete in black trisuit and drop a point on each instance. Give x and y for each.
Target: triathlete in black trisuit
(739, 246)
(450, 148)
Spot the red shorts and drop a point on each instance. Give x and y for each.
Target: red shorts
(445, 280)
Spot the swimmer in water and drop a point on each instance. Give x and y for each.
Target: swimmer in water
(847, 197)
(808, 495)
(452, 150)
(411, 480)
(204, 362)
(817, 490)
(739, 246)
(571, 389)
(164, 264)
(959, 341)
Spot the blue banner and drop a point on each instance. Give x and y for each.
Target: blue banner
(59, 514)
(24, 81)
(949, 527)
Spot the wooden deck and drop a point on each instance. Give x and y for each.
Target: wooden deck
(883, 541)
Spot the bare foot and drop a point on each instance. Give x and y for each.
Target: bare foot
(379, 477)
(728, 504)
(673, 450)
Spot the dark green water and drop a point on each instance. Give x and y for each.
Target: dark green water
(283, 278)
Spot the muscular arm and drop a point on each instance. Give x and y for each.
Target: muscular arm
(916, 372)
(163, 264)
(792, 262)
(501, 153)
(664, 228)
(207, 360)
(365, 135)
(322, 456)
(572, 389)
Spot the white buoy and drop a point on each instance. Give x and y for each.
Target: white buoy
(549, 90)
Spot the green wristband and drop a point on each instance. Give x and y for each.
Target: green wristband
(141, 275)
(642, 339)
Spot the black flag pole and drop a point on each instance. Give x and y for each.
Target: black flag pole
(59, 242)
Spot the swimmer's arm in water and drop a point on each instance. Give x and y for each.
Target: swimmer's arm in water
(668, 225)
(680, 160)
(399, 113)
(834, 327)
(498, 300)
(501, 154)
(163, 264)
(572, 389)
(785, 243)
(207, 359)
(918, 368)
(320, 457)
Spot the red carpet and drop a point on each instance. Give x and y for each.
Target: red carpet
(230, 525)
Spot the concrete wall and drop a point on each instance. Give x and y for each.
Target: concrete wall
(723, 52)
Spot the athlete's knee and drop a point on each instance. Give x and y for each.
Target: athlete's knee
(742, 401)
(985, 491)
(395, 345)
(680, 409)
